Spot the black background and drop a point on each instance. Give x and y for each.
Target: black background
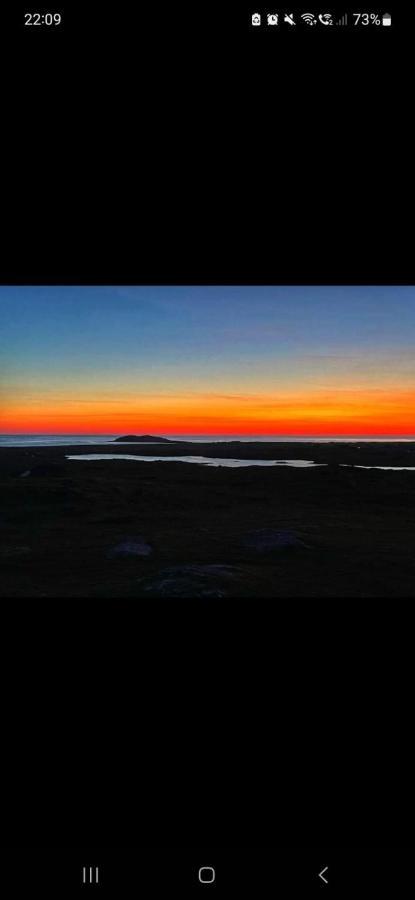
(182, 146)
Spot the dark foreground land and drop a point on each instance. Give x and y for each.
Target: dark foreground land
(141, 530)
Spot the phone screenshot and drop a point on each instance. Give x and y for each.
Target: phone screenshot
(207, 450)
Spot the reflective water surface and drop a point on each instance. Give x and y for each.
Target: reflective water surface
(203, 460)
(391, 468)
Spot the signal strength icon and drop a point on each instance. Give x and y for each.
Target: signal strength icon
(342, 20)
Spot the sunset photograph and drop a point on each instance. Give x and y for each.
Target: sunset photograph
(207, 442)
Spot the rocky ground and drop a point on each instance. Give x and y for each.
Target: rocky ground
(109, 529)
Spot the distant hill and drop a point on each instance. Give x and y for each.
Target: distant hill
(143, 438)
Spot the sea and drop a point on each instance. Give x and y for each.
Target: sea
(50, 440)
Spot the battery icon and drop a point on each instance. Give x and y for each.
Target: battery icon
(386, 19)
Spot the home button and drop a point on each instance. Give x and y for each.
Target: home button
(207, 875)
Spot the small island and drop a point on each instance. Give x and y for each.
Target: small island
(143, 439)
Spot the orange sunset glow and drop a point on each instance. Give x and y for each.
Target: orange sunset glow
(369, 412)
(245, 361)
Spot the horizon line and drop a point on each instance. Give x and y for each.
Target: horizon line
(207, 434)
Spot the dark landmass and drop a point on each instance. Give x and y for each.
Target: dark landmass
(143, 438)
(137, 530)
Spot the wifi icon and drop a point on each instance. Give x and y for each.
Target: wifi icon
(309, 19)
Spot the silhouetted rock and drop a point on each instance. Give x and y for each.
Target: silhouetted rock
(131, 546)
(190, 581)
(11, 553)
(142, 439)
(265, 540)
(44, 470)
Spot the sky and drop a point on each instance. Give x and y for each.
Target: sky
(243, 360)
